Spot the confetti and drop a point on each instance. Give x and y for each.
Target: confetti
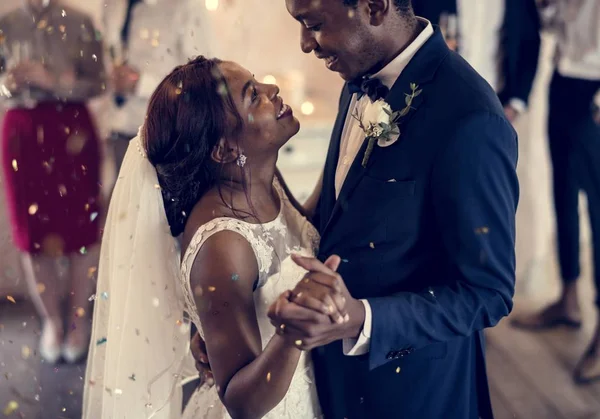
(482, 230)
(211, 288)
(80, 312)
(64, 13)
(11, 408)
(105, 295)
(62, 190)
(92, 297)
(132, 377)
(372, 245)
(101, 341)
(250, 118)
(118, 391)
(33, 209)
(83, 250)
(268, 377)
(11, 299)
(25, 352)
(93, 216)
(92, 271)
(155, 302)
(15, 166)
(235, 277)
(298, 342)
(398, 370)
(345, 260)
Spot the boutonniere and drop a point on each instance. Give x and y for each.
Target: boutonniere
(380, 124)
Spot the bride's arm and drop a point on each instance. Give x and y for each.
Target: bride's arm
(309, 207)
(250, 381)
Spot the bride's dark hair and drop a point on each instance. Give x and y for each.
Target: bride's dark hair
(188, 114)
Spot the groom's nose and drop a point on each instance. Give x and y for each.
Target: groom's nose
(308, 43)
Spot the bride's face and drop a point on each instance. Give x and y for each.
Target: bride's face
(268, 122)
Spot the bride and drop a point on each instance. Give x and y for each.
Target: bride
(203, 168)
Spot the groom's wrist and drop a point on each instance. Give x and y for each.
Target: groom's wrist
(356, 314)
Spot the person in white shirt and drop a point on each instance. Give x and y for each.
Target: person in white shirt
(574, 139)
(147, 38)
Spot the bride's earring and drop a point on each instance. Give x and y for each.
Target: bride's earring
(241, 160)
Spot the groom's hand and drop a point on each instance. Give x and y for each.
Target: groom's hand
(323, 310)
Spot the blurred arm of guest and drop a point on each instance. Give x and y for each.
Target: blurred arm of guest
(52, 52)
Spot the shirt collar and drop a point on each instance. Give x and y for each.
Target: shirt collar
(390, 73)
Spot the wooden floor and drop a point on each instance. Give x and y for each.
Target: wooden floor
(531, 372)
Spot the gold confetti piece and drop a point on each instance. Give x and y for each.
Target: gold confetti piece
(80, 312)
(398, 370)
(25, 352)
(482, 230)
(62, 190)
(11, 299)
(15, 165)
(155, 302)
(92, 271)
(268, 377)
(178, 322)
(33, 208)
(211, 288)
(298, 342)
(11, 408)
(282, 326)
(41, 288)
(157, 186)
(372, 245)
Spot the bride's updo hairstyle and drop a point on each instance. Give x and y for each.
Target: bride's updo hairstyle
(188, 114)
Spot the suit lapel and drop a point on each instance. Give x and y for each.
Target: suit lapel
(421, 71)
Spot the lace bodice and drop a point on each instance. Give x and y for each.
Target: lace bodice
(272, 243)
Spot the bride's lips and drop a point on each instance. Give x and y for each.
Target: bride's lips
(284, 111)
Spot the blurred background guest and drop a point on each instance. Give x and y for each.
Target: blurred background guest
(146, 40)
(499, 38)
(51, 161)
(574, 140)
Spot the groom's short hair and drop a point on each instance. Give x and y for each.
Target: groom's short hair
(402, 6)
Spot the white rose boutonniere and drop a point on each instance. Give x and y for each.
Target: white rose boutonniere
(380, 124)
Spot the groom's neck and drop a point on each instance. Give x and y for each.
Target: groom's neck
(398, 40)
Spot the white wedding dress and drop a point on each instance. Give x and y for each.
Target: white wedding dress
(272, 243)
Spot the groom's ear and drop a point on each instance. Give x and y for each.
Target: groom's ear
(378, 9)
(223, 153)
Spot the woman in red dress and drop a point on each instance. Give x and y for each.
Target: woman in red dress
(51, 161)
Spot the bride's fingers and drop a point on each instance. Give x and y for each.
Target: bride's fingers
(305, 300)
(312, 264)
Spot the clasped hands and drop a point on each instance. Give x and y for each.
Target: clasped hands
(319, 310)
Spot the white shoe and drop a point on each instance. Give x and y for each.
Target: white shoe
(73, 353)
(50, 342)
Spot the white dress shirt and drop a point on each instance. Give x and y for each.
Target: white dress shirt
(163, 34)
(578, 39)
(351, 141)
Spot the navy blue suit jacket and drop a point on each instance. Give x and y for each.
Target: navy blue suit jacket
(426, 233)
(520, 42)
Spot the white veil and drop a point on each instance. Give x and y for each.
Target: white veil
(139, 337)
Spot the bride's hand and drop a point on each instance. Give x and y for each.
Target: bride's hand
(323, 293)
(198, 348)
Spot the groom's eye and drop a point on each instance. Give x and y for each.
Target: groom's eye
(314, 28)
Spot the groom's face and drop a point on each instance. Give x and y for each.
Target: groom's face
(342, 36)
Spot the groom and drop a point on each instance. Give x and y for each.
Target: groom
(425, 226)
(424, 222)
